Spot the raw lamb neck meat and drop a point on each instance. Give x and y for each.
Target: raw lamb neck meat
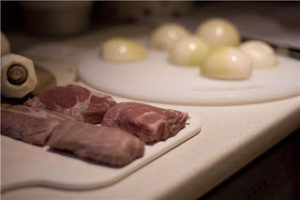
(31, 125)
(149, 123)
(106, 145)
(75, 101)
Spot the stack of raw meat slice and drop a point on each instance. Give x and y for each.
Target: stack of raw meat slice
(67, 118)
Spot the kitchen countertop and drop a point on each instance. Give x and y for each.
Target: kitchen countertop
(231, 137)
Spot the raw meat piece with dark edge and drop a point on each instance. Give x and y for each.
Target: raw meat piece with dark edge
(75, 101)
(149, 123)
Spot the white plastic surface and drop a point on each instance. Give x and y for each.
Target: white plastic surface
(155, 79)
(27, 165)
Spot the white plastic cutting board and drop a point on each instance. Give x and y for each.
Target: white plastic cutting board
(28, 165)
(155, 79)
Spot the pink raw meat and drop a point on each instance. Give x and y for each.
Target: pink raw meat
(149, 123)
(75, 101)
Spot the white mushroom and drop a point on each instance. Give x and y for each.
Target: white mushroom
(227, 63)
(123, 50)
(189, 51)
(165, 36)
(219, 32)
(18, 76)
(261, 53)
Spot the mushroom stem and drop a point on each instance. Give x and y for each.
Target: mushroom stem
(17, 74)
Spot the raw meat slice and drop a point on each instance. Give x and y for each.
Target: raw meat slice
(149, 123)
(75, 101)
(32, 125)
(107, 145)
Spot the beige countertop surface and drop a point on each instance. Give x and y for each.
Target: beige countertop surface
(231, 137)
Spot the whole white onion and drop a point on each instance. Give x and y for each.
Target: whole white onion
(5, 46)
(227, 63)
(219, 32)
(261, 53)
(165, 36)
(123, 50)
(189, 51)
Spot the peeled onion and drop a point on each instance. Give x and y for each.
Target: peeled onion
(218, 33)
(5, 47)
(189, 51)
(123, 50)
(261, 53)
(165, 36)
(227, 63)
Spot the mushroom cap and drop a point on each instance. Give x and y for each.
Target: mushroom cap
(17, 91)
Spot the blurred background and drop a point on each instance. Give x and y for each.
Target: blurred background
(275, 22)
